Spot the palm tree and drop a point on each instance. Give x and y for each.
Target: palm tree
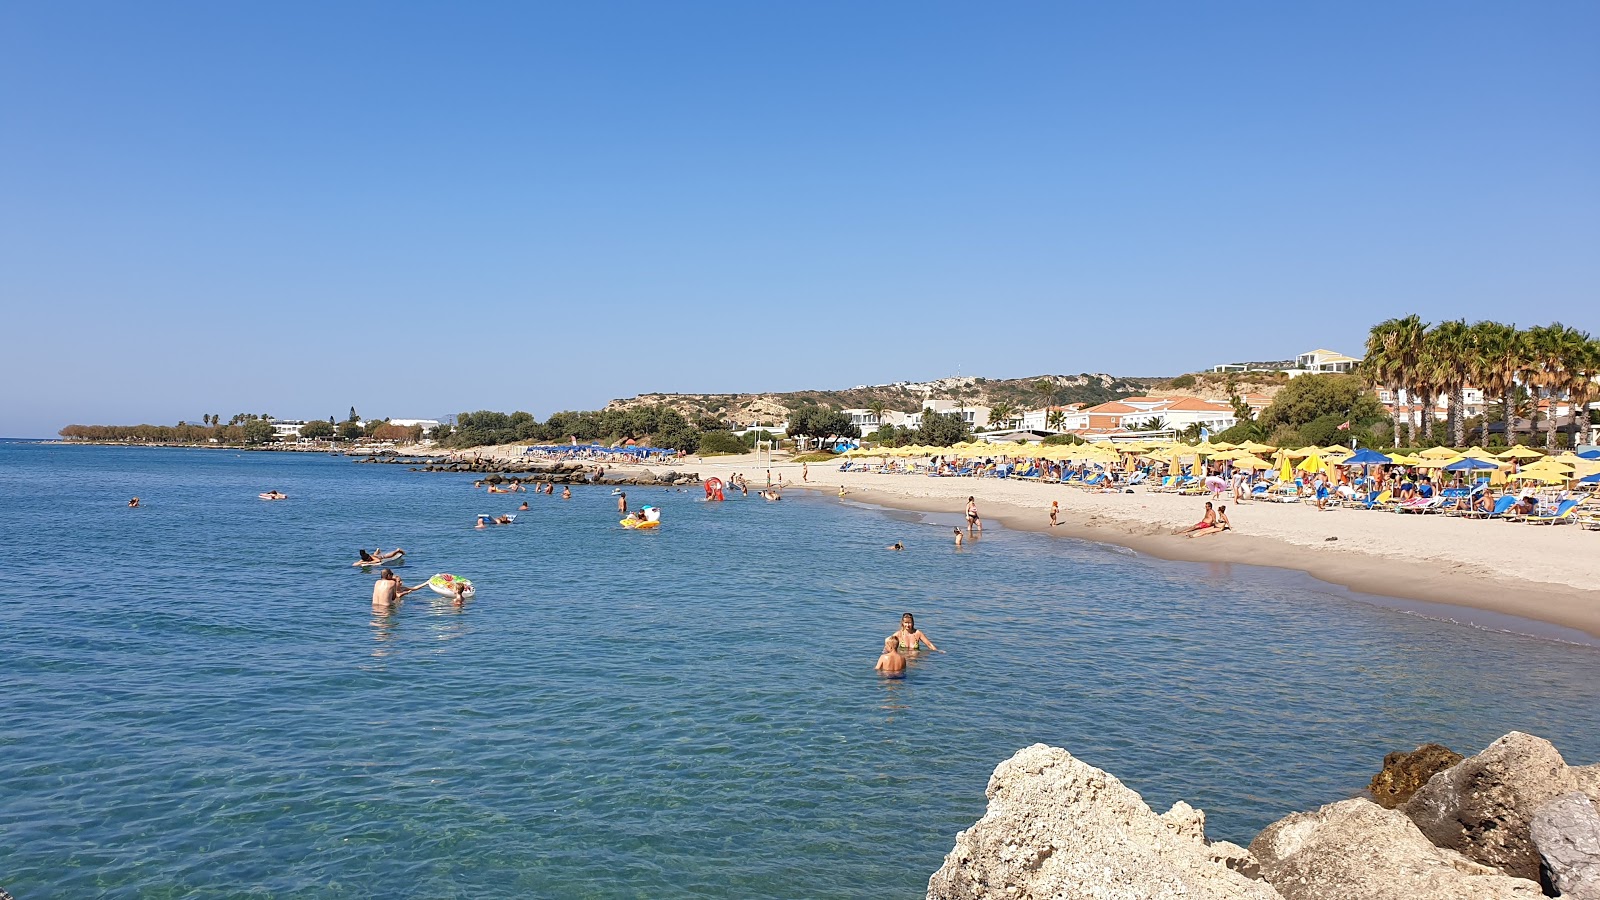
(1501, 354)
(878, 408)
(1055, 419)
(1409, 340)
(1450, 346)
(1382, 366)
(1553, 346)
(1581, 366)
(1001, 413)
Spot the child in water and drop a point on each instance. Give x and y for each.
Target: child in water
(890, 662)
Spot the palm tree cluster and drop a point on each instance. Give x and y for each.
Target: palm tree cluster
(1428, 362)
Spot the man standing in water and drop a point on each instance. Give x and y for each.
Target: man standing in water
(622, 503)
(389, 591)
(890, 662)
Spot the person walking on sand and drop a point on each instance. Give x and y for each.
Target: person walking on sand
(890, 662)
(973, 522)
(805, 472)
(1055, 510)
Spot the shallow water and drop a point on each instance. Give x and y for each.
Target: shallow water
(199, 701)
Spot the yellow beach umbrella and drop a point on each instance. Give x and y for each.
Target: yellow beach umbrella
(1223, 445)
(1438, 463)
(1543, 477)
(1400, 459)
(1480, 453)
(1336, 450)
(1519, 452)
(1251, 463)
(1286, 469)
(1258, 448)
(1438, 453)
(1312, 463)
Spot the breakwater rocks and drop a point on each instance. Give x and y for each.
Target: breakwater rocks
(499, 471)
(1514, 821)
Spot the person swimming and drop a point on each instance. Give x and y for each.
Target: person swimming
(909, 637)
(523, 506)
(134, 503)
(566, 492)
(895, 546)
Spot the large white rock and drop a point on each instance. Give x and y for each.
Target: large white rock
(1357, 850)
(1059, 828)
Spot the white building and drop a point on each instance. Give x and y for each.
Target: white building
(287, 429)
(428, 425)
(1473, 404)
(1151, 414)
(1312, 362)
(975, 416)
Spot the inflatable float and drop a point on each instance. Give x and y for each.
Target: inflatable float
(273, 495)
(397, 558)
(713, 488)
(486, 519)
(652, 519)
(443, 585)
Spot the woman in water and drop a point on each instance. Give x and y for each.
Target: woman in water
(909, 637)
(973, 522)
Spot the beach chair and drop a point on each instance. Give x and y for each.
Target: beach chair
(1421, 505)
(1138, 478)
(1566, 512)
(1098, 478)
(1501, 507)
(1361, 501)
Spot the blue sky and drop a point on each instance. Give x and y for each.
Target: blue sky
(426, 208)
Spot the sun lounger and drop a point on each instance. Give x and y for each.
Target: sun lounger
(1566, 512)
(1421, 505)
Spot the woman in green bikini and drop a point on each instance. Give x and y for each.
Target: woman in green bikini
(909, 638)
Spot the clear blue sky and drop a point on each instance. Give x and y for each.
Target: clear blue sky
(425, 208)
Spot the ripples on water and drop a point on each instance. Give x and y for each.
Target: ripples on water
(198, 700)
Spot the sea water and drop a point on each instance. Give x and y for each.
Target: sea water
(199, 701)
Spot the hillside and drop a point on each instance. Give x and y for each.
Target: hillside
(904, 395)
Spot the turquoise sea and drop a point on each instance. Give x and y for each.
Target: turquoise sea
(199, 702)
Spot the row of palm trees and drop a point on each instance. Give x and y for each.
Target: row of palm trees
(1428, 362)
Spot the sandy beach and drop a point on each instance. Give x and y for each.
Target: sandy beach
(1548, 574)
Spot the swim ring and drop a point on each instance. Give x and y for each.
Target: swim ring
(441, 584)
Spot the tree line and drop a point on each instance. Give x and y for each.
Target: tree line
(1548, 362)
(243, 429)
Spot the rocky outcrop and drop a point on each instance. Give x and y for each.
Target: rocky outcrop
(1566, 832)
(1483, 807)
(1057, 827)
(1404, 773)
(1357, 850)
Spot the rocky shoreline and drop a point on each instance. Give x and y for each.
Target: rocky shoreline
(1514, 821)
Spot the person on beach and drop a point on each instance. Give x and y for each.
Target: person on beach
(769, 478)
(1055, 510)
(566, 492)
(134, 503)
(973, 522)
(805, 471)
(1206, 521)
(890, 662)
(622, 503)
(389, 590)
(842, 491)
(960, 538)
(1218, 526)
(910, 638)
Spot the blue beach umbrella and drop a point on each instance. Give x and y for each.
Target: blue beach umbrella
(1590, 479)
(1367, 458)
(1469, 464)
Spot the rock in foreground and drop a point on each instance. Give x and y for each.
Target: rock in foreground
(1357, 850)
(1057, 827)
(1405, 773)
